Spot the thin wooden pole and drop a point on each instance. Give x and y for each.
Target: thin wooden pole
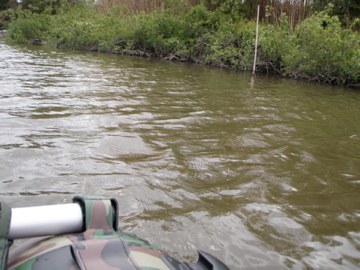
(257, 36)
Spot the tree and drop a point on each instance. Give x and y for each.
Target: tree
(346, 10)
(4, 4)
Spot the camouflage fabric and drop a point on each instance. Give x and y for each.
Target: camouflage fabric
(101, 246)
(5, 217)
(100, 213)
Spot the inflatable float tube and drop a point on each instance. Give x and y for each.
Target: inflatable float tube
(82, 235)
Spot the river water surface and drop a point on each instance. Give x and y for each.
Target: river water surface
(262, 172)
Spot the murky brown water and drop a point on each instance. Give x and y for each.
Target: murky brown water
(263, 173)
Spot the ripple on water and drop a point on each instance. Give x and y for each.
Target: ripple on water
(260, 171)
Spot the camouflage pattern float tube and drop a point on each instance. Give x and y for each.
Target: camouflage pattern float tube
(99, 246)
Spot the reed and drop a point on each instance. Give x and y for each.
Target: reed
(295, 10)
(131, 6)
(270, 10)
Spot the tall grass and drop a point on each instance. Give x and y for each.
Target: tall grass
(271, 11)
(131, 6)
(295, 10)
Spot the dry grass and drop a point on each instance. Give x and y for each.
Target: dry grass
(131, 6)
(296, 10)
(147, 6)
(270, 10)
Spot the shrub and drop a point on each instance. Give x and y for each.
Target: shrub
(233, 48)
(276, 42)
(4, 4)
(29, 27)
(324, 51)
(319, 49)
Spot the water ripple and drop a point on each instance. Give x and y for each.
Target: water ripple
(263, 172)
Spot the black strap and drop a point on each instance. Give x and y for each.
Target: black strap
(5, 243)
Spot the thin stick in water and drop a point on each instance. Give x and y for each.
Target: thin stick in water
(256, 39)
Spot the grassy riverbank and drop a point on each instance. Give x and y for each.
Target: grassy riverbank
(317, 49)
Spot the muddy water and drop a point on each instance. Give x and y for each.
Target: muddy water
(262, 172)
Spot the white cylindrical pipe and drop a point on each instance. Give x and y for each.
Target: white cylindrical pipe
(45, 220)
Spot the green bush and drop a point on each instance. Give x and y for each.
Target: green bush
(4, 4)
(324, 51)
(29, 27)
(317, 49)
(233, 48)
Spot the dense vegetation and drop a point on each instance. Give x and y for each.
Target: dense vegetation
(294, 41)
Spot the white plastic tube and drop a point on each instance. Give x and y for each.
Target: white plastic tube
(45, 220)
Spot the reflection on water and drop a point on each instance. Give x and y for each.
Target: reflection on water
(262, 172)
